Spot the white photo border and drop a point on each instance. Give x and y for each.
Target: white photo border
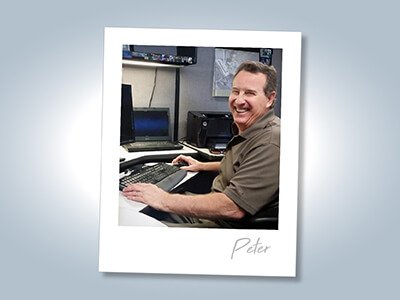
(131, 249)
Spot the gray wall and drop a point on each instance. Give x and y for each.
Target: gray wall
(142, 81)
(196, 82)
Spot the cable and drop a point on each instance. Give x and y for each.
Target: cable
(154, 87)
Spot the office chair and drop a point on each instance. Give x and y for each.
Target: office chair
(266, 219)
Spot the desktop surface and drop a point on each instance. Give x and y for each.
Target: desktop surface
(129, 211)
(131, 158)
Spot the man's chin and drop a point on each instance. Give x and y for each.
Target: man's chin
(240, 120)
(240, 115)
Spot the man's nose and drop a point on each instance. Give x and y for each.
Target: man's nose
(240, 99)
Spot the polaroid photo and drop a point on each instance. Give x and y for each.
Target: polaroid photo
(179, 81)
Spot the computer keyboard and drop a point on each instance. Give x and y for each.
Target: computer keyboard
(163, 175)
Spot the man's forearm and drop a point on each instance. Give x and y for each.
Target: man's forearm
(212, 206)
(211, 166)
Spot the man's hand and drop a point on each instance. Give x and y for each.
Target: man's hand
(146, 193)
(192, 164)
(195, 165)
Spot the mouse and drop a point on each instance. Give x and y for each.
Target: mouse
(181, 164)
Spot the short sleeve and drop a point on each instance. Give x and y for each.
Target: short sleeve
(256, 179)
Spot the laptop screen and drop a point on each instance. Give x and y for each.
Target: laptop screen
(151, 124)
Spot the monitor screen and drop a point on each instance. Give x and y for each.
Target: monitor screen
(151, 123)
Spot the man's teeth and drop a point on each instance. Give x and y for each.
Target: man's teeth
(241, 110)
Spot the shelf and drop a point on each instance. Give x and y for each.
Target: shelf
(128, 62)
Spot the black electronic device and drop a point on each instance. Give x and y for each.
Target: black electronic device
(180, 56)
(181, 163)
(163, 175)
(209, 129)
(126, 130)
(152, 130)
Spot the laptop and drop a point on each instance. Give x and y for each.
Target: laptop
(151, 129)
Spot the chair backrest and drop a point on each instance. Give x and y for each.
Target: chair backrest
(267, 218)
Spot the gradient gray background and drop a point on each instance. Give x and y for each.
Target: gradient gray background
(50, 112)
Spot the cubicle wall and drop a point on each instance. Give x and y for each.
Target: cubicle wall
(196, 85)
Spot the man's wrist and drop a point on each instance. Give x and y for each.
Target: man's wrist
(165, 202)
(203, 166)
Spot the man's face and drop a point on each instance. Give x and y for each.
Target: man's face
(247, 101)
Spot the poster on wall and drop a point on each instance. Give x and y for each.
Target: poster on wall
(225, 65)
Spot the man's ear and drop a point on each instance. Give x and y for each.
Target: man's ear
(271, 99)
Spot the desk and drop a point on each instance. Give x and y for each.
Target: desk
(132, 158)
(130, 215)
(136, 155)
(205, 153)
(129, 211)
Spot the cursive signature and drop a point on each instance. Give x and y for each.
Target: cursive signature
(245, 245)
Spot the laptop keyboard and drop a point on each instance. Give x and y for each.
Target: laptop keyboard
(152, 145)
(163, 175)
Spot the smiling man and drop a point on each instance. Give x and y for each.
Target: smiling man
(248, 179)
(251, 96)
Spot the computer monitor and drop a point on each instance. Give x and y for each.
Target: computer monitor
(126, 130)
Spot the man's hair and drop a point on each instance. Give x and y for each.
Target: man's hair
(258, 67)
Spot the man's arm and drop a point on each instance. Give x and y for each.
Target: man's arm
(195, 165)
(211, 206)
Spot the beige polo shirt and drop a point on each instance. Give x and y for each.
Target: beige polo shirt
(249, 173)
